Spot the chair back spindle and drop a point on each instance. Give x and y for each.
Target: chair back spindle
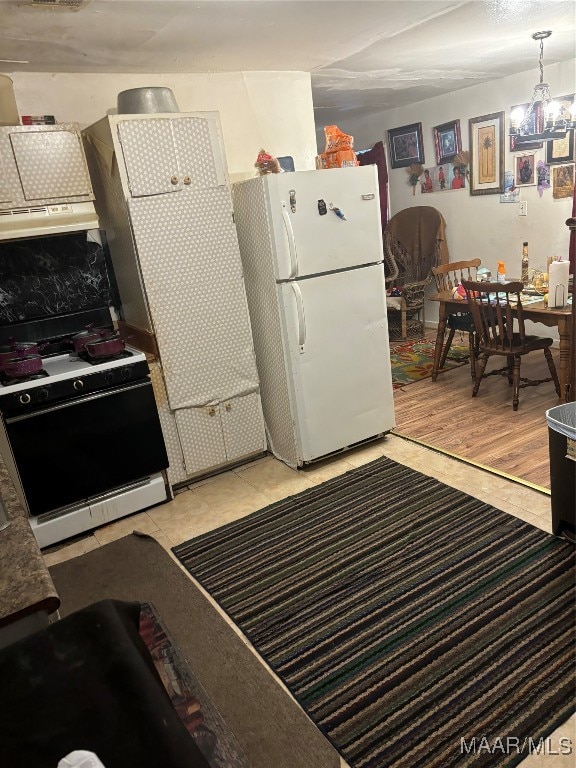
(448, 276)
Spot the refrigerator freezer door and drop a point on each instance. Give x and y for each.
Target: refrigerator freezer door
(325, 220)
(337, 334)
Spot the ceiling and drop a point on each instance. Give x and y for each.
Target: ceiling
(364, 56)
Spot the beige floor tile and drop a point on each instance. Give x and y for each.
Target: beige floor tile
(321, 471)
(139, 522)
(185, 517)
(183, 530)
(230, 496)
(366, 453)
(184, 505)
(274, 479)
(68, 551)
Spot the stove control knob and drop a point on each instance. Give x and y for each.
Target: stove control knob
(125, 373)
(78, 385)
(24, 399)
(42, 394)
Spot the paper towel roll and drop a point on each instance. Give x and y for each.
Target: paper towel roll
(558, 283)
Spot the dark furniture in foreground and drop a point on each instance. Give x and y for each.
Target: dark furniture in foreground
(88, 682)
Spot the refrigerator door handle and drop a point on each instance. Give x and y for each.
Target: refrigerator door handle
(301, 316)
(291, 242)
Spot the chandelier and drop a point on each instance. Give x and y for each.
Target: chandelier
(544, 119)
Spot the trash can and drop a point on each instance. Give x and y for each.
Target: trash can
(562, 444)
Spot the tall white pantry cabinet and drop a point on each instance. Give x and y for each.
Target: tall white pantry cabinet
(163, 198)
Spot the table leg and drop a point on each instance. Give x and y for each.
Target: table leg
(563, 373)
(439, 340)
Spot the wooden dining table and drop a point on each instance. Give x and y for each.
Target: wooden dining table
(537, 312)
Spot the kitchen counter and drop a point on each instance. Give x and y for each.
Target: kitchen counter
(27, 592)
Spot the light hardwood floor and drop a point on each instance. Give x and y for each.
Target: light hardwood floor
(484, 429)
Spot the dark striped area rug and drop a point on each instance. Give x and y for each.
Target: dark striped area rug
(416, 625)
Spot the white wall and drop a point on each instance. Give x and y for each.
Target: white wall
(480, 226)
(272, 110)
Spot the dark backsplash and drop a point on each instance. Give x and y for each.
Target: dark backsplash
(49, 276)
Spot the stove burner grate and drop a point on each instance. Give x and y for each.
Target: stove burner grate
(7, 381)
(96, 360)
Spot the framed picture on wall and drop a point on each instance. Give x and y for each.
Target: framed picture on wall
(560, 151)
(447, 141)
(525, 169)
(487, 154)
(562, 181)
(405, 145)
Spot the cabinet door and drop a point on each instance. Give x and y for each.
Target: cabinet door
(194, 149)
(243, 426)
(149, 156)
(201, 438)
(191, 268)
(51, 165)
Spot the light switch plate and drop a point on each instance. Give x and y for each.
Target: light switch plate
(523, 208)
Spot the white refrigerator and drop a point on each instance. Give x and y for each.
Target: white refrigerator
(311, 248)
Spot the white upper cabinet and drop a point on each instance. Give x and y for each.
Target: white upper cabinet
(42, 165)
(169, 154)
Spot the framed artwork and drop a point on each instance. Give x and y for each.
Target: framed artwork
(562, 181)
(535, 125)
(560, 150)
(406, 145)
(487, 154)
(525, 169)
(447, 141)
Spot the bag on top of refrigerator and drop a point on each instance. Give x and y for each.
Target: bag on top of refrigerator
(337, 140)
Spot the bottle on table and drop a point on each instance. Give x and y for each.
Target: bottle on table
(501, 273)
(525, 278)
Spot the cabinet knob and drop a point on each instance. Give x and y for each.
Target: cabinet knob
(174, 180)
(187, 180)
(212, 411)
(228, 406)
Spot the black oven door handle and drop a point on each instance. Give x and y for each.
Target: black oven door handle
(77, 401)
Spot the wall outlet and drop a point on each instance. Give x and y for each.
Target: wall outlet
(523, 208)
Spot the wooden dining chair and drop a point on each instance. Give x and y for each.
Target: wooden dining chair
(448, 277)
(496, 310)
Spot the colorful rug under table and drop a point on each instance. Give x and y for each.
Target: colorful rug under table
(414, 624)
(413, 360)
(202, 720)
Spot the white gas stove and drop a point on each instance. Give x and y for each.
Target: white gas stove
(82, 442)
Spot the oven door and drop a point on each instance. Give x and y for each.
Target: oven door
(69, 452)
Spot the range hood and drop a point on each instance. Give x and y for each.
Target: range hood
(43, 220)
